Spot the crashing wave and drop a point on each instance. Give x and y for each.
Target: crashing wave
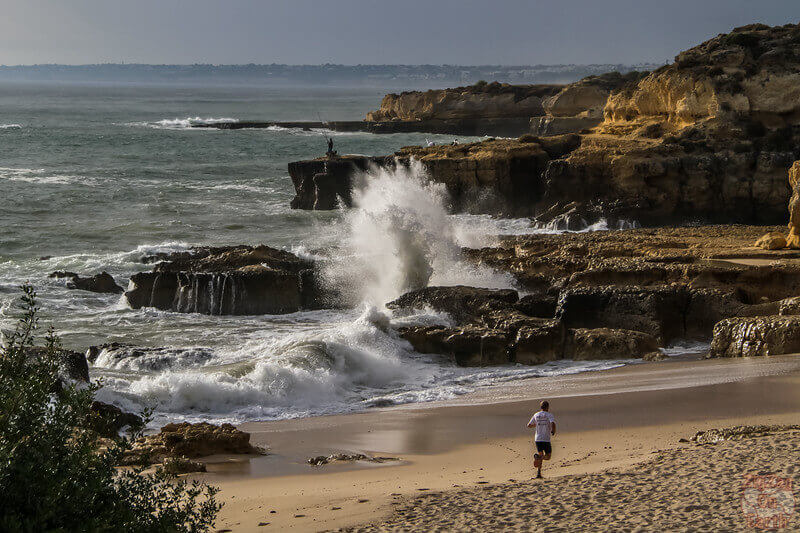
(399, 237)
(184, 123)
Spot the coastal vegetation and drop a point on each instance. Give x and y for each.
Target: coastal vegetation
(56, 473)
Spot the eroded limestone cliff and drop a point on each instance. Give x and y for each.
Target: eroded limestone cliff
(484, 100)
(754, 70)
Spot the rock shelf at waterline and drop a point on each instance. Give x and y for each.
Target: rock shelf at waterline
(234, 280)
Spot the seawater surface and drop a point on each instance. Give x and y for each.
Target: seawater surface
(95, 177)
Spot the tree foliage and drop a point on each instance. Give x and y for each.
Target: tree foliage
(53, 476)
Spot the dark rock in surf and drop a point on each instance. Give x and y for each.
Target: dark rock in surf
(108, 420)
(71, 365)
(235, 280)
(103, 282)
(458, 301)
(470, 345)
(324, 183)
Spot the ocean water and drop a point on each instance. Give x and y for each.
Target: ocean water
(95, 177)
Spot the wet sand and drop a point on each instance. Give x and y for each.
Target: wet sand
(610, 419)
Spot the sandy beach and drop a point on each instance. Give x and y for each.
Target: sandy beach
(467, 464)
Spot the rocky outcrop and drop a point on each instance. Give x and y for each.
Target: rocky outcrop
(666, 313)
(708, 139)
(668, 283)
(756, 336)
(190, 441)
(236, 280)
(605, 343)
(72, 366)
(617, 295)
(497, 175)
(326, 183)
(108, 420)
(484, 100)
(578, 107)
(492, 329)
(102, 282)
(754, 70)
(793, 240)
(588, 97)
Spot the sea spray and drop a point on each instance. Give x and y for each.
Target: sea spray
(346, 365)
(399, 237)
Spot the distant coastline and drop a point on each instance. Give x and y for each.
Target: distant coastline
(279, 75)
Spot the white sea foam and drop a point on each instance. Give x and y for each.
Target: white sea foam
(43, 177)
(183, 123)
(315, 132)
(343, 367)
(152, 359)
(686, 347)
(10, 126)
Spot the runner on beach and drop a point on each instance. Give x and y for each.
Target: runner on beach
(545, 424)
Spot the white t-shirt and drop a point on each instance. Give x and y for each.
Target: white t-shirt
(542, 420)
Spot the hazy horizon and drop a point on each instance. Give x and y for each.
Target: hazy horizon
(362, 32)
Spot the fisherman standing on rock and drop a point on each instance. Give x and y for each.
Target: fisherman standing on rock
(330, 152)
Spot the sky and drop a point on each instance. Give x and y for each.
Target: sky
(463, 32)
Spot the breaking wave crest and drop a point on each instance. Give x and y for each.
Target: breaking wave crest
(184, 123)
(399, 237)
(355, 364)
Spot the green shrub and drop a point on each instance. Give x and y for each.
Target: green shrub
(52, 476)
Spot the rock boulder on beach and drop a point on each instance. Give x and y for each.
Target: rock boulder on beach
(773, 240)
(756, 336)
(191, 441)
(108, 420)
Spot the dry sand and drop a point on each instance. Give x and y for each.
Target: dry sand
(689, 489)
(479, 451)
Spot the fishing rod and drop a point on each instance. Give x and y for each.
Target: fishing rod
(328, 140)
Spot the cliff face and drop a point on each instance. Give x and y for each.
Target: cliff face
(496, 176)
(707, 138)
(588, 97)
(486, 101)
(579, 106)
(754, 70)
